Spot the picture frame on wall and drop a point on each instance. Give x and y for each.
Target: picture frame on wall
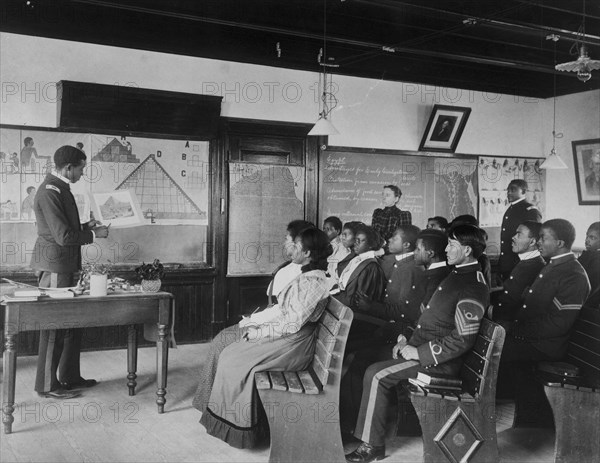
(586, 156)
(444, 128)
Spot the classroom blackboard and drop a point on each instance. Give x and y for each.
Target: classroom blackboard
(352, 181)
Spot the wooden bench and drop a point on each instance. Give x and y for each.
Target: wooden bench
(461, 426)
(575, 401)
(303, 406)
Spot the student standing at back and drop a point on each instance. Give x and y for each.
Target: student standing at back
(518, 212)
(385, 221)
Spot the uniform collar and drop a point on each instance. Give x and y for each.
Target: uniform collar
(436, 265)
(518, 201)
(467, 268)
(60, 177)
(562, 258)
(404, 256)
(529, 255)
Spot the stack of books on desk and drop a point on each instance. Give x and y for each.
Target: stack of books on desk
(22, 295)
(28, 295)
(428, 381)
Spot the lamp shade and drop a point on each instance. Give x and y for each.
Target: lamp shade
(323, 127)
(553, 162)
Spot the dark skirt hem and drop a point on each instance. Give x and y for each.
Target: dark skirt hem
(240, 438)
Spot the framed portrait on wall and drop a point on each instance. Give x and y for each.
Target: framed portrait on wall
(444, 128)
(586, 154)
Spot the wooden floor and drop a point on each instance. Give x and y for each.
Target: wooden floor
(106, 425)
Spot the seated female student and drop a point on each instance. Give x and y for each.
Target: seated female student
(279, 338)
(287, 271)
(363, 274)
(281, 278)
(347, 240)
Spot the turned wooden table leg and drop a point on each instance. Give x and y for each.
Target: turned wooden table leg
(8, 387)
(162, 359)
(132, 358)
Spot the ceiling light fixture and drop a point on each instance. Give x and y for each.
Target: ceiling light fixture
(328, 100)
(553, 161)
(583, 65)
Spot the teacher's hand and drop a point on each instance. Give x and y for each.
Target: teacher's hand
(101, 232)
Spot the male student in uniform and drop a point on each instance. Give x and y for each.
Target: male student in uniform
(445, 331)
(518, 212)
(56, 258)
(402, 317)
(508, 301)
(542, 324)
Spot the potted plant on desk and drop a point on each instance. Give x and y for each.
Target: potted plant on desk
(95, 276)
(150, 275)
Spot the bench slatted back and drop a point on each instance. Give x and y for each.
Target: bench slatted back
(327, 331)
(485, 354)
(584, 346)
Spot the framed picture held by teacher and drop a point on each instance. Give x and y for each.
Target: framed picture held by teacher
(444, 128)
(586, 154)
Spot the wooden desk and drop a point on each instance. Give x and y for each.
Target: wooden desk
(83, 312)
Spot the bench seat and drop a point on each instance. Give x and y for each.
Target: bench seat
(302, 407)
(461, 426)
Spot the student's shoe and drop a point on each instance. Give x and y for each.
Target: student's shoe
(366, 453)
(59, 394)
(79, 384)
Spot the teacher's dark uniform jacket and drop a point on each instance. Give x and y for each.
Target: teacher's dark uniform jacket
(57, 256)
(60, 233)
(517, 213)
(551, 305)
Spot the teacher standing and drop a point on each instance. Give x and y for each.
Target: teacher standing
(56, 258)
(385, 221)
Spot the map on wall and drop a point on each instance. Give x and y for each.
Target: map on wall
(164, 182)
(263, 199)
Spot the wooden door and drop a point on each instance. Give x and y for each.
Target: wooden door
(261, 143)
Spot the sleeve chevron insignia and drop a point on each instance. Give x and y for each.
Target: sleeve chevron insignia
(468, 316)
(560, 306)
